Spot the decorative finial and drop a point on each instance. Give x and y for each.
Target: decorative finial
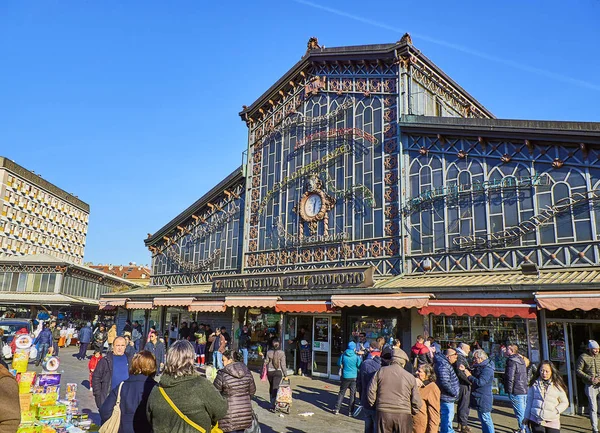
(406, 39)
(313, 44)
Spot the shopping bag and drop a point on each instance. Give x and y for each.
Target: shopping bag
(263, 373)
(255, 427)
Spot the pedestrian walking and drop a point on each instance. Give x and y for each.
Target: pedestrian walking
(128, 327)
(100, 337)
(157, 348)
(482, 398)
(588, 369)
(183, 392)
(447, 381)
(236, 383)
(200, 338)
(464, 395)
(349, 362)
(110, 371)
(366, 372)
(70, 333)
(420, 353)
(515, 384)
(397, 347)
(276, 370)
(305, 358)
(395, 394)
(427, 420)
(85, 338)
(217, 341)
(93, 364)
(173, 333)
(134, 393)
(110, 336)
(43, 342)
(546, 400)
(55, 338)
(244, 343)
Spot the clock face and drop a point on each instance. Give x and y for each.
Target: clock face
(312, 205)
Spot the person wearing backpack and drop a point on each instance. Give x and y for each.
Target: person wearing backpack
(349, 363)
(276, 370)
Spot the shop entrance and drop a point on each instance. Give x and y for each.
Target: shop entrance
(566, 341)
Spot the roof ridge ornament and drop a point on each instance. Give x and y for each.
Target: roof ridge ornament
(405, 39)
(313, 44)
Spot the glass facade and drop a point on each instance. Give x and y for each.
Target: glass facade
(26, 282)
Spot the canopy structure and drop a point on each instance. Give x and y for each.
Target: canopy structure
(314, 307)
(173, 301)
(482, 307)
(582, 300)
(394, 300)
(207, 306)
(252, 302)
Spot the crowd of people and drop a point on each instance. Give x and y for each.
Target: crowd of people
(393, 400)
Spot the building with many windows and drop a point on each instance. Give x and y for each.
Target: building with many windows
(37, 217)
(379, 197)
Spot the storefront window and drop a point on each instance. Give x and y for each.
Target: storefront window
(491, 334)
(373, 327)
(263, 325)
(140, 316)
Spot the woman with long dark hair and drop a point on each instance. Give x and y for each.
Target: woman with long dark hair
(546, 400)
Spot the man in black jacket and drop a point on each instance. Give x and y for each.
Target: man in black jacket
(464, 395)
(111, 371)
(515, 383)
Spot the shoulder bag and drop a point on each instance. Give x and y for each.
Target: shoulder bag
(255, 427)
(215, 428)
(114, 422)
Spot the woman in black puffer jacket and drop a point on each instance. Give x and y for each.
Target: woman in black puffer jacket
(236, 383)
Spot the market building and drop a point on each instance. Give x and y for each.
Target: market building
(379, 197)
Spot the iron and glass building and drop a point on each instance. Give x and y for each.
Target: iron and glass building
(379, 197)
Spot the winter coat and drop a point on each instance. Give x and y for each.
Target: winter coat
(159, 352)
(403, 356)
(93, 363)
(427, 420)
(102, 378)
(134, 399)
(236, 383)
(481, 380)
(10, 415)
(349, 361)
(365, 374)
(45, 337)
(223, 343)
(244, 340)
(112, 334)
(394, 390)
(544, 405)
(587, 367)
(515, 376)
(461, 360)
(85, 335)
(421, 354)
(447, 380)
(194, 396)
(275, 360)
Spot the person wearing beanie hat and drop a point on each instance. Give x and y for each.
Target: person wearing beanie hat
(588, 369)
(349, 363)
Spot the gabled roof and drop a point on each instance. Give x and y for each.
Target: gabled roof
(235, 177)
(504, 128)
(129, 272)
(358, 52)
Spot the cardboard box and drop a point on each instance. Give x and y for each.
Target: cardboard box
(25, 401)
(52, 411)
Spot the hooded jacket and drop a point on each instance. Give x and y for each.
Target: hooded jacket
(194, 396)
(366, 372)
(515, 375)
(394, 390)
(482, 378)
(236, 383)
(349, 361)
(447, 380)
(421, 354)
(134, 398)
(10, 415)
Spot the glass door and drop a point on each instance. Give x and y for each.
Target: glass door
(560, 355)
(320, 346)
(337, 346)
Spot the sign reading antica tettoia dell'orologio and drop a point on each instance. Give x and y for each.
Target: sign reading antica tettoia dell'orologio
(326, 279)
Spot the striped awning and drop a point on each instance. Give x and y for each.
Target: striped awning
(304, 307)
(482, 307)
(139, 305)
(111, 304)
(252, 302)
(173, 301)
(207, 306)
(394, 300)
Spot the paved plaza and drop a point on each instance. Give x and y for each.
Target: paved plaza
(310, 396)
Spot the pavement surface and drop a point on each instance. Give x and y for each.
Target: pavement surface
(311, 410)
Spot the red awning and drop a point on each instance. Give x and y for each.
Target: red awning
(139, 305)
(111, 304)
(252, 302)
(482, 307)
(582, 300)
(304, 307)
(173, 302)
(394, 300)
(207, 306)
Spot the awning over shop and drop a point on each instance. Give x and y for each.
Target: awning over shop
(582, 300)
(394, 300)
(58, 299)
(111, 304)
(207, 306)
(173, 302)
(304, 307)
(139, 305)
(253, 302)
(482, 307)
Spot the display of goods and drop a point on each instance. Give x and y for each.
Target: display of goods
(46, 379)
(71, 392)
(45, 399)
(26, 380)
(25, 401)
(47, 429)
(53, 422)
(51, 364)
(20, 361)
(29, 428)
(52, 411)
(28, 416)
(23, 341)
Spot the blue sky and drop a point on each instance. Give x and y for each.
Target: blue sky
(133, 105)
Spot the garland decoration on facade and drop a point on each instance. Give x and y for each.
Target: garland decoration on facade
(313, 167)
(454, 191)
(322, 138)
(190, 267)
(359, 195)
(215, 224)
(287, 240)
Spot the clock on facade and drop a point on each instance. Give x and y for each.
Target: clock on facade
(313, 204)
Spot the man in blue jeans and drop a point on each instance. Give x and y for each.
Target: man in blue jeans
(515, 383)
(349, 363)
(447, 382)
(482, 398)
(44, 339)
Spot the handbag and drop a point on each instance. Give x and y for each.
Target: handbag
(114, 422)
(263, 373)
(215, 428)
(255, 427)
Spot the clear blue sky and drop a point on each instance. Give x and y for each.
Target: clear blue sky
(133, 105)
